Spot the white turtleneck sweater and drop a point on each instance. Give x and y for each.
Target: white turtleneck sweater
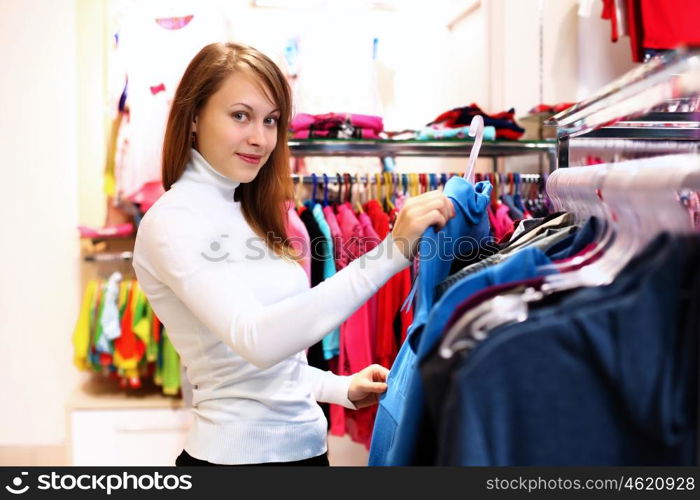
(241, 317)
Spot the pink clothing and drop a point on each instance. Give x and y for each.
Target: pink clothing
(362, 133)
(304, 121)
(355, 338)
(299, 238)
(340, 255)
(500, 221)
(371, 240)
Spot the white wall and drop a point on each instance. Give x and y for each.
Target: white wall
(600, 61)
(39, 192)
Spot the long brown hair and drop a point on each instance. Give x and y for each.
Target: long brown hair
(263, 199)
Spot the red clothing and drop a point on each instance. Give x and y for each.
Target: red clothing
(130, 348)
(390, 297)
(634, 26)
(610, 13)
(668, 24)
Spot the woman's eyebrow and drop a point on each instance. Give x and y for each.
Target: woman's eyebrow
(241, 104)
(250, 108)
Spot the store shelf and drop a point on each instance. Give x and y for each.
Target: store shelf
(446, 148)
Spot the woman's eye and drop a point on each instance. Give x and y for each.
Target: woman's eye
(271, 120)
(239, 115)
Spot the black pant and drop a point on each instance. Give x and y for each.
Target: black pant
(187, 460)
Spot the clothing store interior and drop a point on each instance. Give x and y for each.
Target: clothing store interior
(558, 323)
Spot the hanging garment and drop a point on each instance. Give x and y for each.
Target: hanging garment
(436, 251)
(153, 56)
(408, 448)
(355, 340)
(500, 222)
(341, 253)
(610, 375)
(81, 333)
(392, 321)
(331, 342)
(109, 319)
(299, 238)
(171, 367)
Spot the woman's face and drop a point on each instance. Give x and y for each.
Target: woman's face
(237, 128)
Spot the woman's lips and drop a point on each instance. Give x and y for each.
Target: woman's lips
(252, 159)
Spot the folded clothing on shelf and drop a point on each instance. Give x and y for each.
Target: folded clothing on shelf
(336, 125)
(337, 133)
(429, 133)
(503, 122)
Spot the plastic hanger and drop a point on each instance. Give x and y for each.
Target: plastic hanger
(339, 181)
(358, 199)
(314, 184)
(347, 181)
(413, 184)
(476, 129)
(640, 200)
(389, 184)
(325, 190)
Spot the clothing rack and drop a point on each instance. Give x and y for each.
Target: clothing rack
(652, 110)
(455, 148)
(657, 101)
(338, 179)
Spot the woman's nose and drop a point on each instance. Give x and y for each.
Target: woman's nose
(257, 135)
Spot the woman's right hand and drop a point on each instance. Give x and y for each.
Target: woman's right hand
(418, 213)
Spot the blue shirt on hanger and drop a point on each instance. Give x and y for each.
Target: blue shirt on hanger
(405, 449)
(437, 249)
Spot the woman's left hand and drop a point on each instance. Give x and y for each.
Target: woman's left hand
(366, 386)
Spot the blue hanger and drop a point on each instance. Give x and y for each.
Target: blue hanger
(314, 181)
(433, 181)
(325, 190)
(404, 181)
(443, 179)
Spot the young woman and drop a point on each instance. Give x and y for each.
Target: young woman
(214, 261)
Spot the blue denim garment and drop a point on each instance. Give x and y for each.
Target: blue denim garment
(606, 377)
(406, 449)
(437, 249)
